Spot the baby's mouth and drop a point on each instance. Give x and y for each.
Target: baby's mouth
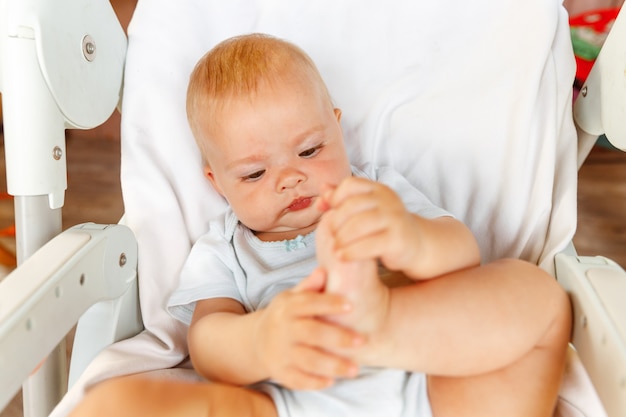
(300, 203)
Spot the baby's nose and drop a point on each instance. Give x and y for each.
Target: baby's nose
(290, 178)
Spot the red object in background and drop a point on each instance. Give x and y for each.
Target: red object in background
(589, 31)
(7, 257)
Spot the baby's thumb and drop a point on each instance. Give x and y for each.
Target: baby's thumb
(326, 195)
(315, 282)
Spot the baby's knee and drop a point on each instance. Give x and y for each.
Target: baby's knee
(555, 302)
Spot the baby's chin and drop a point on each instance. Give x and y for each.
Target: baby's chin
(286, 233)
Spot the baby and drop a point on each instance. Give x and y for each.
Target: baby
(286, 313)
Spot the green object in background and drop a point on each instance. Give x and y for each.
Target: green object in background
(586, 43)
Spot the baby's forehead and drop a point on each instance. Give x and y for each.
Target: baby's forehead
(265, 92)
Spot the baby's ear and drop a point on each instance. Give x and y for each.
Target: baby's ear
(208, 172)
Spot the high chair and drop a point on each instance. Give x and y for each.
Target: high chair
(471, 101)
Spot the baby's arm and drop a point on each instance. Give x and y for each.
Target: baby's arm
(469, 319)
(500, 328)
(371, 222)
(285, 341)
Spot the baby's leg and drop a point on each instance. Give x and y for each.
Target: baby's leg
(526, 385)
(144, 396)
(526, 388)
(356, 280)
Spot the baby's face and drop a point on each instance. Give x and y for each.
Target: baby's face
(271, 154)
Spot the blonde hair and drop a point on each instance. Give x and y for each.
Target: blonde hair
(237, 67)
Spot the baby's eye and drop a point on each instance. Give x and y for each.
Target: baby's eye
(309, 153)
(254, 176)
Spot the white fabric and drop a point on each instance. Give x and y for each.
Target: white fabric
(222, 259)
(469, 100)
(374, 393)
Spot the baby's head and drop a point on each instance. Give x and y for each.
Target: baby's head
(241, 67)
(268, 132)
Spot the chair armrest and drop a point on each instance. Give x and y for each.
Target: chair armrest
(45, 296)
(597, 288)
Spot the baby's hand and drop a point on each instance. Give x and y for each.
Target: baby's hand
(296, 346)
(371, 222)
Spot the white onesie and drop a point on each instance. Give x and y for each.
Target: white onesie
(219, 266)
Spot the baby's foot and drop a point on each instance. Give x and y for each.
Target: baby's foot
(356, 280)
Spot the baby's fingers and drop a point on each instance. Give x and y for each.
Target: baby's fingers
(357, 226)
(325, 365)
(326, 336)
(348, 189)
(310, 304)
(296, 379)
(311, 363)
(368, 247)
(314, 282)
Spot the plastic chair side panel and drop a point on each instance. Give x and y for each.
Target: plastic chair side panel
(595, 285)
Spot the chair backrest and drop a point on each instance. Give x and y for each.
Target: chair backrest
(470, 100)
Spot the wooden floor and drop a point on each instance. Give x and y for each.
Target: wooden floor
(602, 205)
